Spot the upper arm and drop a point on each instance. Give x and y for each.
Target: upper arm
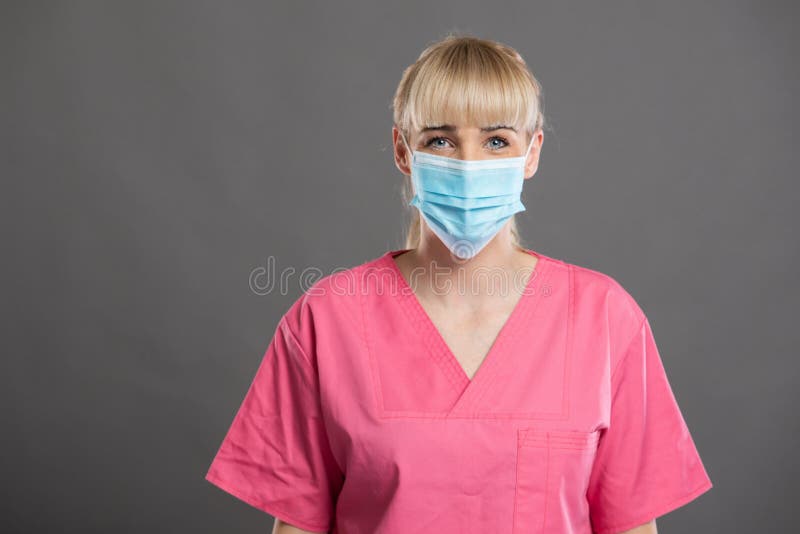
(276, 456)
(647, 528)
(646, 463)
(281, 527)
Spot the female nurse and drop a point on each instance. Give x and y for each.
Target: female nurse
(463, 383)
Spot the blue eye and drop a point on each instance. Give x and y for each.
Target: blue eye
(430, 142)
(503, 140)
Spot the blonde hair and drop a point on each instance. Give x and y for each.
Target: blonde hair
(459, 78)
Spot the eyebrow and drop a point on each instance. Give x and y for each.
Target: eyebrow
(451, 128)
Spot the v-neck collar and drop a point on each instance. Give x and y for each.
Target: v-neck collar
(468, 390)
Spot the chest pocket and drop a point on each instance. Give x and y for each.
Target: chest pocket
(552, 476)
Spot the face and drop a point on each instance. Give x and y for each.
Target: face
(469, 142)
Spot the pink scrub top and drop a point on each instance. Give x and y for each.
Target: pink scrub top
(360, 420)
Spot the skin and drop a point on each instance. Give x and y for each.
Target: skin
(281, 527)
(469, 320)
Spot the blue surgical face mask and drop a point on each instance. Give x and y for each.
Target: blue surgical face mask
(466, 202)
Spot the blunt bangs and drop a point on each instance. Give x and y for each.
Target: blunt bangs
(483, 87)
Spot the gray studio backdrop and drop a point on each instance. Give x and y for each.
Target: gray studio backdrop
(156, 154)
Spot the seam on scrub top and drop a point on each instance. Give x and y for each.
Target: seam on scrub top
(435, 346)
(516, 487)
(566, 381)
(285, 324)
(503, 341)
(262, 504)
(442, 352)
(626, 351)
(312, 381)
(655, 512)
(373, 364)
(545, 275)
(413, 321)
(522, 435)
(546, 483)
(581, 440)
(439, 356)
(538, 416)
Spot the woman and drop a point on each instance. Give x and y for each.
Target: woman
(389, 402)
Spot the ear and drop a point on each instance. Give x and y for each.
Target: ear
(532, 163)
(402, 157)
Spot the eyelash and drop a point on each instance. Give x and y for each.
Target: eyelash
(503, 139)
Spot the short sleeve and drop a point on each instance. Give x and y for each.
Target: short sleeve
(646, 463)
(276, 456)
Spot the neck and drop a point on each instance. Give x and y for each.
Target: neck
(500, 257)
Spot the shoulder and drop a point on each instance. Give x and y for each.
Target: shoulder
(600, 302)
(332, 301)
(601, 288)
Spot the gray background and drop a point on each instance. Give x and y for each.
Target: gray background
(154, 154)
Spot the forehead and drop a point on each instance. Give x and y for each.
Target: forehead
(466, 118)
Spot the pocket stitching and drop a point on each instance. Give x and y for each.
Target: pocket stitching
(521, 436)
(558, 439)
(545, 441)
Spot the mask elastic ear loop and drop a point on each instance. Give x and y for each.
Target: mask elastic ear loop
(410, 152)
(527, 152)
